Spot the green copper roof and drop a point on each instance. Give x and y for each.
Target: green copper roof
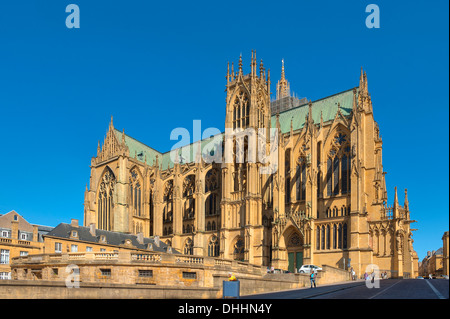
(139, 149)
(328, 107)
(188, 153)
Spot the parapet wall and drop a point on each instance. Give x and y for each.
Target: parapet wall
(119, 275)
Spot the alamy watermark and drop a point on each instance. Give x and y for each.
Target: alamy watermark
(373, 19)
(235, 146)
(373, 279)
(73, 19)
(73, 278)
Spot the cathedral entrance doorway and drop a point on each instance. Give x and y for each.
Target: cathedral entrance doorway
(294, 247)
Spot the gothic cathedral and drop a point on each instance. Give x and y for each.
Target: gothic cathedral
(323, 202)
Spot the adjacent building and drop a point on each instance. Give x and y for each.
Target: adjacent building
(445, 253)
(18, 238)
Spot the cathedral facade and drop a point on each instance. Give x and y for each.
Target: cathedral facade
(323, 202)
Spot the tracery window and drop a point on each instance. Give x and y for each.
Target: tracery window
(328, 236)
(344, 239)
(287, 169)
(188, 195)
(318, 238)
(168, 207)
(300, 177)
(294, 241)
(212, 180)
(188, 247)
(135, 193)
(238, 249)
(338, 165)
(268, 192)
(212, 187)
(105, 203)
(323, 238)
(241, 111)
(334, 236)
(213, 247)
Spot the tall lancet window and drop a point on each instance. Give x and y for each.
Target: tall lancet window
(135, 193)
(105, 203)
(168, 208)
(338, 166)
(241, 111)
(300, 177)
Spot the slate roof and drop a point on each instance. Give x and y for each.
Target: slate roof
(63, 230)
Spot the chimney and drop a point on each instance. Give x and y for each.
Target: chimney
(35, 233)
(92, 229)
(140, 238)
(74, 222)
(157, 242)
(14, 229)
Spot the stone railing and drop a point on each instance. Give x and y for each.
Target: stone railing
(5, 240)
(146, 257)
(140, 257)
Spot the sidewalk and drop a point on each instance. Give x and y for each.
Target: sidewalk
(307, 292)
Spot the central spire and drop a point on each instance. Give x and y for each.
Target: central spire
(283, 87)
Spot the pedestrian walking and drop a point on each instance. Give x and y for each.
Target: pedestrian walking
(313, 279)
(353, 275)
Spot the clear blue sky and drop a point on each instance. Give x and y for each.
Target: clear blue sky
(157, 65)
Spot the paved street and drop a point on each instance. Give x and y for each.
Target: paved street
(389, 289)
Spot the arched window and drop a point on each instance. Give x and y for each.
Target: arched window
(188, 247)
(329, 170)
(334, 236)
(287, 170)
(338, 165)
(212, 180)
(211, 205)
(105, 203)
(344, 239)
(168, 206)
(213, 247)
(241, 111)
(238, 249)
(345, 175)
(151, 213)
(268, 192)
(340, 236)
(300, 176)
(328, 236)
(135, 193)
(319, 185)
(336, 176)
(318, 238)
(323, 238)
(188, 196)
